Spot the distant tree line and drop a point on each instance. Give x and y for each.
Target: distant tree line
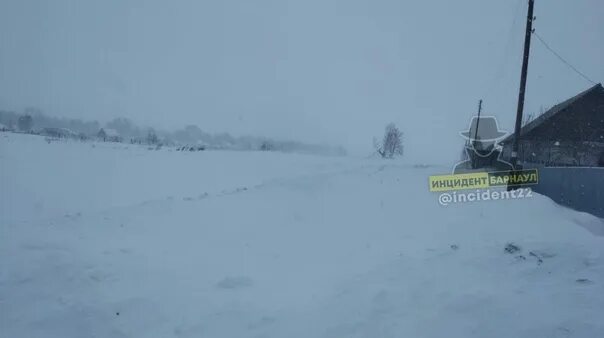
(33, 120)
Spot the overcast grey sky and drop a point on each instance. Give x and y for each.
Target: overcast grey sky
(314, 70)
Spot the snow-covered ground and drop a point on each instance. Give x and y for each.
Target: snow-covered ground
(113, 240)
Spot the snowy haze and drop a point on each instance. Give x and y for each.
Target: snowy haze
(315, 71)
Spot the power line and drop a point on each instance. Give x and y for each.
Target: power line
(496, 80)
(562, 59)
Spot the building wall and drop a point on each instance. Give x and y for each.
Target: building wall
(573, 136)
(579, 154)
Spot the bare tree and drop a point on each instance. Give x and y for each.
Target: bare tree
(528, 119)
(392, 143)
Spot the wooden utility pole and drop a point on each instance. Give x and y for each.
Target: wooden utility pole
(478, 119)
(525, 60)
(474, 160)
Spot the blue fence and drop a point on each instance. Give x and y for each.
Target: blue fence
(579, 188)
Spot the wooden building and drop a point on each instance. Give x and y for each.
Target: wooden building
(569, 134)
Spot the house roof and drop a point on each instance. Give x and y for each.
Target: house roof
(555, 110)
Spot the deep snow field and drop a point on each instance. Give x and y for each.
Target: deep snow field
(115, 240)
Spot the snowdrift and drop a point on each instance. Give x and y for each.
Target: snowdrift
(102, 240)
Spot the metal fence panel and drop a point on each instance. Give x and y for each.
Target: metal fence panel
(579, 188)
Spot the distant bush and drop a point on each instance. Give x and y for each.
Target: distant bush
(266, 146)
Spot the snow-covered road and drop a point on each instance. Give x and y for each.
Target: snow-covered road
(121, 241)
